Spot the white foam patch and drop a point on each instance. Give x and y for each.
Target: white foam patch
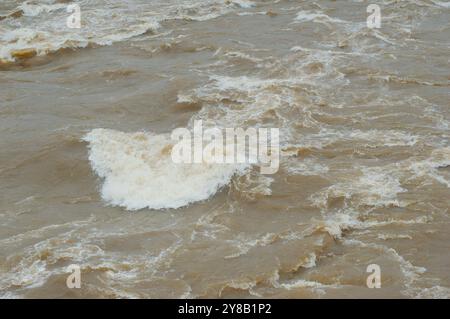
(138, 171)
(315, 16)
(435, 292)
(348, 219)
(375, 187)
(243, 3)
(411, 272)
(441, 3)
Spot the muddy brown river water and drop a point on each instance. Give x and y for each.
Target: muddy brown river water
(364, 171)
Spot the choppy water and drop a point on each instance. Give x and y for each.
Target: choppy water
(365, 166)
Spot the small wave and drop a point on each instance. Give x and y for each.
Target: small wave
(410, 272)
(14, 14)
(32, 10)
(243, 245)
(315, 16)
(26, 42)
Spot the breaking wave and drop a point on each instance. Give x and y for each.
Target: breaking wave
(138, 171)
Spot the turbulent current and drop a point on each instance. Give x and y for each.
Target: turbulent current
(86, 175)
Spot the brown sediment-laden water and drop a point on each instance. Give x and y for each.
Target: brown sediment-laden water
(85, 176)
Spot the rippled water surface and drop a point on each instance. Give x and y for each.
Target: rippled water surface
(86, 115)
